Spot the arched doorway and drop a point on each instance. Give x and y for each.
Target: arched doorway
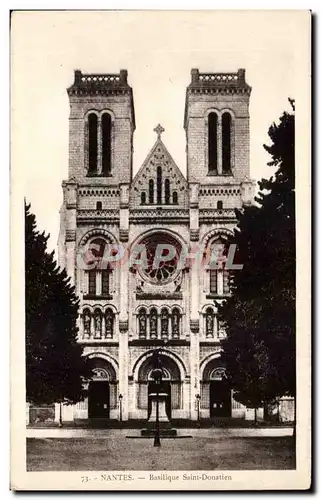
(102, 389)
(171, 384)
(215, 393)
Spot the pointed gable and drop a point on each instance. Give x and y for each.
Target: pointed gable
(159, 181)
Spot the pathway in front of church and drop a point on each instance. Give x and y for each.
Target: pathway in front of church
(116, 452)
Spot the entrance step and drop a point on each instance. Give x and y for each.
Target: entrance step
(162, 432)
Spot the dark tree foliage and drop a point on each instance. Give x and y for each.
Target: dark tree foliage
(54, 362)
(259, 350)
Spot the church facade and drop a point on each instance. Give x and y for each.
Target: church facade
(134, 246)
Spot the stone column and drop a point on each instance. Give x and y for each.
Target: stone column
(103, 327)
(123, 366)
(92, 326)
(99, 147)
(194, 367)
(215, 327)
(219, 146)
(124, 212)
(123, 298)
(70, 199)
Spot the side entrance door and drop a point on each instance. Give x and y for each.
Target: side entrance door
(98, 399)
(220, 399)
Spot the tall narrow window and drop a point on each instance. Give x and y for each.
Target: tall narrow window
(86, 318)
(99, 205)
(159, 185)
(164, 323)
(92, 275)
(109, 323)
(98, 323)
(213, 281)
(212, 143)
(92, 144)
(106, 144)
(226, 143)
(175, 198)
(151, 191)
(209, 322)
(105, 276)
(167, 192)
(143, 198)
(219, 205)
(153, 324)
(226, 282)
(142, 323)
(176, 323)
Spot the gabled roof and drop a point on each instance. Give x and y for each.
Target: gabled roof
(167, 160)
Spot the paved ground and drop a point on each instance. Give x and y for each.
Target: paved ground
(65, 432)
(203, 451)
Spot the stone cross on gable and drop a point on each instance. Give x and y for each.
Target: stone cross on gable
(159, 130)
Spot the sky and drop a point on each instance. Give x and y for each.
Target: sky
(158, 48)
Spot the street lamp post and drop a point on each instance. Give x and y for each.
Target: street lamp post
(198, 399)
(120, 397)
(157, 376)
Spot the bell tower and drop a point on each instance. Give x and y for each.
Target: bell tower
(217, 127)
(101, 127)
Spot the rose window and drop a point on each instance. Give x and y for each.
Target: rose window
(162, 258)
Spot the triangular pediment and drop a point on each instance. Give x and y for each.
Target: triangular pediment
(159, 160)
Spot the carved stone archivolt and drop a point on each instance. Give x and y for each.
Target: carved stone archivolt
(97, 233)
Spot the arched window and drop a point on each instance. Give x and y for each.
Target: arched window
(167, 192)
(105, 282)
(153, 323)
(86, 320)
(106, 144)
(142, 323)
(176, 323)
(226, 143)
(213, 281)
(219, 205)
(219, 277)
(212, 143)
(209, 322)
(92, 144)
(159, 185)
(98, 323)
(92, 275)
(151, 191)
(164, 323)
(99, 205)
(143, 198)
(109, 323)
(175, 198)
(98, 275)
(226, 282)
(96, 250)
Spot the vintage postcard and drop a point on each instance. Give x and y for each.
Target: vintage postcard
(160, 232)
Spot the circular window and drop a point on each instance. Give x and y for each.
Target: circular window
(159, 262)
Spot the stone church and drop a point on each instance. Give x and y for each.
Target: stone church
(128, 311)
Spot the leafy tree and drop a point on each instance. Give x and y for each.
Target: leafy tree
(259, 317)
(54, 362)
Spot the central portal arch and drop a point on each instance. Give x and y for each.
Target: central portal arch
(171, 383)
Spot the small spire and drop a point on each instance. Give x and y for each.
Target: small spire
(159, 130)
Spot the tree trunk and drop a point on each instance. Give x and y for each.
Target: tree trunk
(60, 415)
(294, 419)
